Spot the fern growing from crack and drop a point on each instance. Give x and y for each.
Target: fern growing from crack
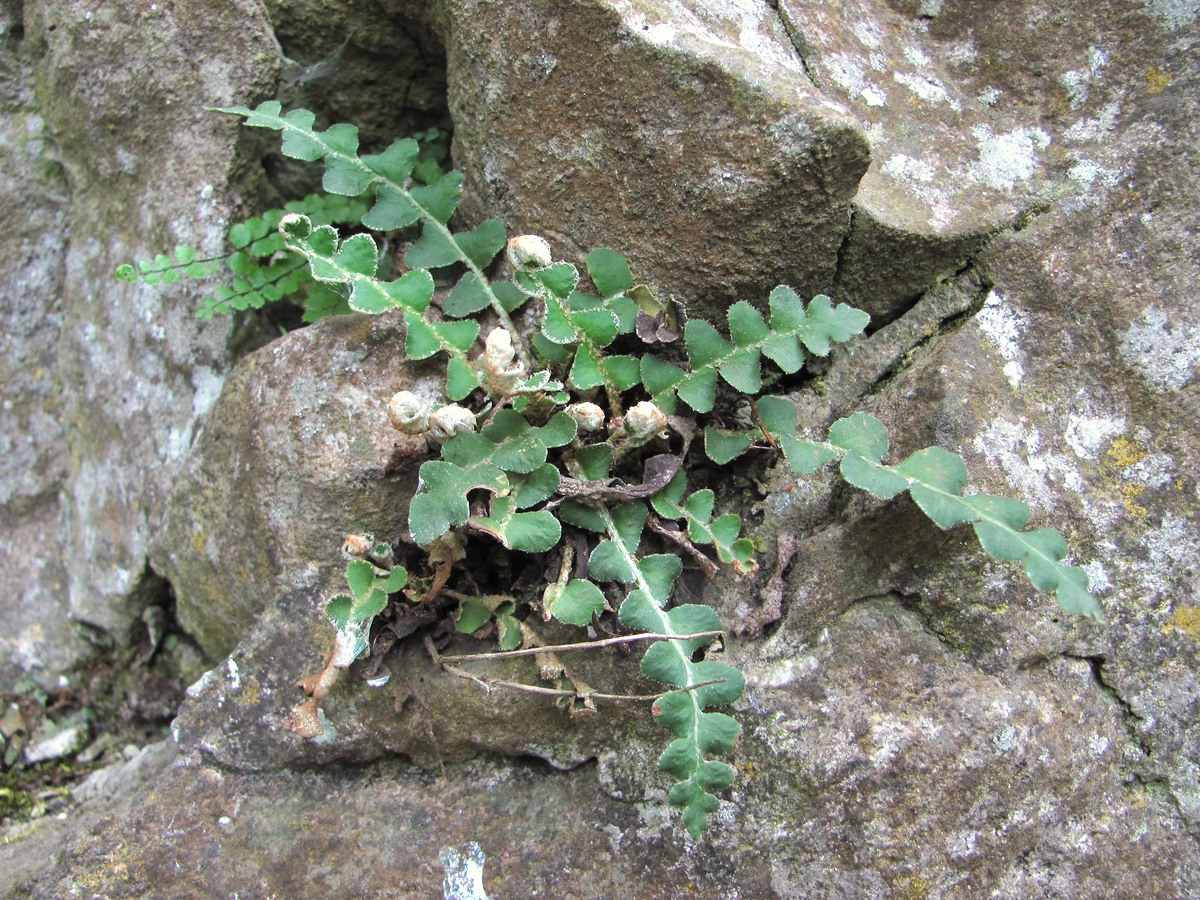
(541, 433)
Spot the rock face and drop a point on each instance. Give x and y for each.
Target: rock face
(142, 164)
(1010, 189)
(296, 452)
(695, 123)
(34, 199)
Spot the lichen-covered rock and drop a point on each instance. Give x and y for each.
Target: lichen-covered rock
(918, 721)
(121, 90)
(296, 453)
(876, 761)
(235, 714)
(34, 198)
(1072, 387)
(685, 135)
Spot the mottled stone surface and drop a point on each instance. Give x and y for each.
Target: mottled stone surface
(121, 90)
(294, 455)
(34, 199)
(235, 713)
(919, 723)
(876, 761)
(685, 135)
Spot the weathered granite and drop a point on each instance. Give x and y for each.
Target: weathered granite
(295, 453)
(147, 168)
(685, 135)
(918, 722)
(34, 199)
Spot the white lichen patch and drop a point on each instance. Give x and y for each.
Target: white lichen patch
(234, 673)
(1171, 550)
(1155, 470)
(850, 76)
(1173, 13)
(1078, 82)
(1098, 579)
(1009, 158)
(916, 56)
(989, 96)
(1087, 173)
(1002, 326)
(464, 872)
(1092, 181)
(962, 844)
(928, 88)
(1088, 435)
(1090, 129)
(869, 34)
(783, 672)
(1164, 353)
(721, 29)
(890, 736)
(1038, 475)
(1005, 740)
(905, 168)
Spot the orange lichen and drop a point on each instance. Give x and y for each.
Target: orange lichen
(1186, 620)
(1134, 508)
(1125, 453)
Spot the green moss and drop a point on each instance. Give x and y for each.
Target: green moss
(24, 791)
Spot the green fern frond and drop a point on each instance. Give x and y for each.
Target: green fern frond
(935, 478)
(398, 201)
(793, 329)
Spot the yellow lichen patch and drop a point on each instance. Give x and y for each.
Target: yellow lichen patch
(1157, 80)
(1135, 509)
(251, 691)
(912, 887)
(1125, 452)
(1186, 620)
(1122, 455)
(750, 770)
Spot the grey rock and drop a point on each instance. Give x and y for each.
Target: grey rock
(34, 463)
(296, 454)
(124, 780)
(147, 167)
(617, 123)
(918, 721)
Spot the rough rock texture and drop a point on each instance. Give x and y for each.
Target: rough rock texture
(33, 455)
(146, 169)
(296, 452)
(234, 715)
(686, 134)
(918, 722)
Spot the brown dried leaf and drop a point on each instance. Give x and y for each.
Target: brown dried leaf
(658, 471)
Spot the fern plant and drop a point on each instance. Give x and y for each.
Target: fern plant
(261, 269)
(583, 426)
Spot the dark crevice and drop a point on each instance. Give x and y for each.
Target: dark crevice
(967, 279)
(926, 612)
(799, 45)
(1129, 718)
(135, 687)
(839, 265)
(1027, 217)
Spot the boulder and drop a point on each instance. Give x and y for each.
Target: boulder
(34, 462)
(918, 721)
(295, 454)
(146, 168)
(686, 136)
